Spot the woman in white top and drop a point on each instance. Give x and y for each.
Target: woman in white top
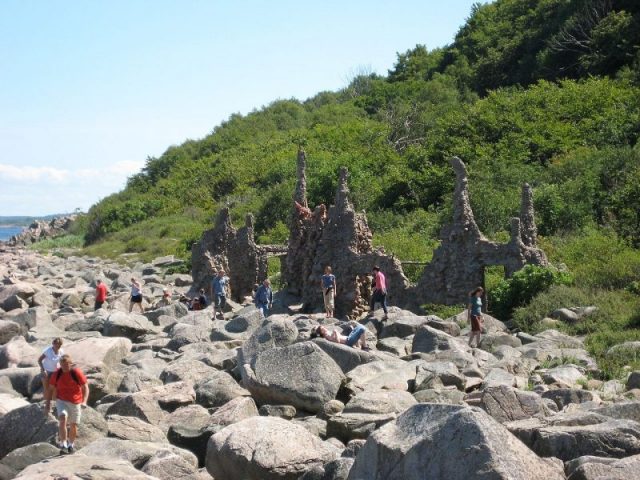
(49, 362)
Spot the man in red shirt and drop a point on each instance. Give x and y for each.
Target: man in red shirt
(71, 392)
(101, 294)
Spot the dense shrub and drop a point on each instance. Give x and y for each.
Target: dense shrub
(523, 286)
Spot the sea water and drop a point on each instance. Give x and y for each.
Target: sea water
(6, 232)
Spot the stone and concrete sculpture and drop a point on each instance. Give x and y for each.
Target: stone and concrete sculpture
(235, 251)
(459, 262)
(340, 237)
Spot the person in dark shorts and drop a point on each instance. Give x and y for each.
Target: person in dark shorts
(379, 294)
(136, 295)
(101, 294)
(475, 314)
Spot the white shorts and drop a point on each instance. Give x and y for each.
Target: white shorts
(73, 411)
(328, 295)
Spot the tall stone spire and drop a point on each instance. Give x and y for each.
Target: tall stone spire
(529, 231)
(300, 195)
(462, 212)
(342, 202)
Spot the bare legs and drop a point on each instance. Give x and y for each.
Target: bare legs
(46, 391)
(131, 304)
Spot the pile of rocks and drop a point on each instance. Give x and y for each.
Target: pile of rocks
(43, 229)
(174, 394)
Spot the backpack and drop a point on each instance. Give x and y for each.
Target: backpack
(73, 373)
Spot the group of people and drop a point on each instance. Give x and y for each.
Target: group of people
(67, 385)
(378, 295)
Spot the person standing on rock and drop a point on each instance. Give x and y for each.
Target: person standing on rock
(101, 294)
(49, 362)
(474, 312)
(264, 298)
(71, 392)
(379, 294)
(218, 292)
(328, 284)
(136, 295)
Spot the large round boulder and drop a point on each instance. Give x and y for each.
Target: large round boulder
(448, 441)
(301, 375)
(266, 448)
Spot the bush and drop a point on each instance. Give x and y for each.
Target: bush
(525, 284)
(597, 258)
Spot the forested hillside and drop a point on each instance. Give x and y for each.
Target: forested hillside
(543, 91)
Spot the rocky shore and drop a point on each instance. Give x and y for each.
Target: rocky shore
(42, 230)
(177, 395)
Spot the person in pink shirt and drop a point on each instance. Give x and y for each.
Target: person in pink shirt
(379, 294)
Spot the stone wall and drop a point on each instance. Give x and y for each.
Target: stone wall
(459, 263)
(235, 251)
(340, 237)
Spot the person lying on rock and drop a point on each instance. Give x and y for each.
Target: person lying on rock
(356, 338)
(71, 392)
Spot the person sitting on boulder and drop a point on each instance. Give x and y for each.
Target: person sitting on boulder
(165, 300)
(355, 338)
(71, 392)
(202, 299)
(195, 304)
(49, 362)
(304, 212)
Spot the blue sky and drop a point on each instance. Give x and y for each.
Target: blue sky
(90, 89)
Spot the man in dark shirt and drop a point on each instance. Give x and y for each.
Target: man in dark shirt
(264, 298)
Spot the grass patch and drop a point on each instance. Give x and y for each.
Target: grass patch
(152, 238)
(559, 361)
(443, 311)
(69, 241)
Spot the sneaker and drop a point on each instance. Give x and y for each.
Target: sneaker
(71, 449)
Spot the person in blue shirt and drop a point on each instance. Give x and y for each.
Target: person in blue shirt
(328, 283)
(264, 298)
(218, 292)
(475, 314)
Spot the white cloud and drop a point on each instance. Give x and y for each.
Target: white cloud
(116, 173)
(29, 190)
